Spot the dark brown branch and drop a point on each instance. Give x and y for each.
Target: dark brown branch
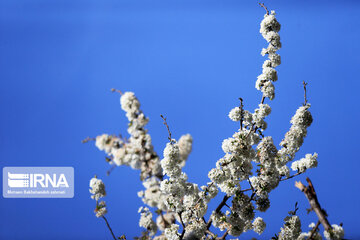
(108, 172)
(313, 231)
(314, 202)
(262, 100)
(167, 126)
(262, 5)
(115, 90)
(108, 225)
(224, 236)
(246, 190)
(305, 98)
(218, 209)
(296, 174)
(183, 226)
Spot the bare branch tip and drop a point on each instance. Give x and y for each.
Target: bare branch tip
(168, 129)
(88, 139)
(305, 97)
(116, 90)
(263, 5)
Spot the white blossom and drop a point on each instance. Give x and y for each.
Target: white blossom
(294, 138)
(310, 161)
(259, 225)
(291, 229)
(129, 103)
(101, 209)
(171, 233)
(146, 221)
(185, 147)
(165, 220)
(97, 188)
(104, 143)
(336, 233)
(235, 114)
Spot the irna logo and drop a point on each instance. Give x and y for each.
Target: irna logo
(16, 180)
(38, 182)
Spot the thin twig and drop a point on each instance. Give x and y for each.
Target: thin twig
(108, 225)
(116, 90)
(88, 139)
(167, 126)
(110, 170)
(246, 190)
(313, 231)
(305, 98)
(296, 174)
(262, 5)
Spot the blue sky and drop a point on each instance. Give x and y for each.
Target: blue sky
(189, 60)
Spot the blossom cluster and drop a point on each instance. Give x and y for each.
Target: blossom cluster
(269, 29)
(97, 189)
(291, 228)
(137, 151)
(146, 221)
(182, 197)
(336, 233)
(294, 138)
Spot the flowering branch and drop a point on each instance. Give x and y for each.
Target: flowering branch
(185, 204)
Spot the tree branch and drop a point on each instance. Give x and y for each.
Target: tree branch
(314, 203)
(296, 174)
(224, 236)
(108, 225)
(183, 226)
(313, 231)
